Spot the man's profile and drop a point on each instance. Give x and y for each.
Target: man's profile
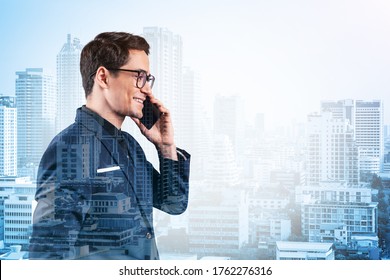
(95, 188)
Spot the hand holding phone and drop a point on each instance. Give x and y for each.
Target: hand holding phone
(161, 136)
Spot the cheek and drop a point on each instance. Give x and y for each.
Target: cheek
(122, 97)
(126, 99)
(117, 100)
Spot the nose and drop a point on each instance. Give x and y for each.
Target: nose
(146, 89)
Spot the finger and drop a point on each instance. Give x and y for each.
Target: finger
(154, 100)
(157, 103)
(137, 121)
(163, 110)
(140, 125)
(164, 113)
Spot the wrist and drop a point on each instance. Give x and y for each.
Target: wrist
(168, 151)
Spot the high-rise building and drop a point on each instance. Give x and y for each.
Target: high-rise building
(70, 93)
(332, 152)
(8, 136)
(191, 132)
(166, 56)
(341, 109)
(35, 99)
(189, 126)
(366, 118)
(369, 134)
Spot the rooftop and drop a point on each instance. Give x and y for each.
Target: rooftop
(303, 246)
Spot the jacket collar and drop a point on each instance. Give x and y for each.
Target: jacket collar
(95, 123)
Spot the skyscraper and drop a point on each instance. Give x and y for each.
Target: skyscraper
(166, 65)
(8, 136)
(366, 118)
(332, 152)
(193, 131)
(35, 99)
(70, 93)
(369, 134)
(190, 122)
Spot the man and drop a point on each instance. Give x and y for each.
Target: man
(96, 190)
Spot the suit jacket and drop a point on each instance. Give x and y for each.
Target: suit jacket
(96, 192)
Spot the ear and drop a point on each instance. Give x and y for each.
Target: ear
(101, 77)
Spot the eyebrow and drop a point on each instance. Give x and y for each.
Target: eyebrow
(139, 69)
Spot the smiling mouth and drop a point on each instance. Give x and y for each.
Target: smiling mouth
(139, 100)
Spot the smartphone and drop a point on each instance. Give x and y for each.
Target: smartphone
(150, 114)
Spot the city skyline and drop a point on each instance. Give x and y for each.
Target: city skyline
(251, 175)
(297, 52)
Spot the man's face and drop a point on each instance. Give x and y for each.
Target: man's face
(123, 97)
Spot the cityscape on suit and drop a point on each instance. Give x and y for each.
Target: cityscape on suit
(314, 190)
(95, 200)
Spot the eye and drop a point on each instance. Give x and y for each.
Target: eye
(142, 74)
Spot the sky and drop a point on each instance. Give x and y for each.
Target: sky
(282, 57)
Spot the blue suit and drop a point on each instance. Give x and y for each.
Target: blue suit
(96, 192)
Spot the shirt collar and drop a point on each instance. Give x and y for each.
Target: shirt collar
(106, 125)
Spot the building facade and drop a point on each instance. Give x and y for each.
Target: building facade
(16, 208)
(369, 135)
(218, 225)
(366, 118)
(70, 93)
(332, 211)
(304, 251)
(332, 152)
(8, 136)
(166, 64)
(35, 99)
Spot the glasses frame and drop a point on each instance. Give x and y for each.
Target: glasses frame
(149, 78)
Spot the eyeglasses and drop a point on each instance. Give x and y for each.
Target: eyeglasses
(142, 77)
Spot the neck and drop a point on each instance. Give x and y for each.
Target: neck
(105, 113)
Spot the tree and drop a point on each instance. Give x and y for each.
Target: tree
(376, 182)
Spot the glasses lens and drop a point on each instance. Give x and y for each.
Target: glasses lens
(141, 79)
(151, 80)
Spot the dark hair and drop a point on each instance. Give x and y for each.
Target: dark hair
(108, 49)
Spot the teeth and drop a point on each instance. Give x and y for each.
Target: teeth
(138, 100)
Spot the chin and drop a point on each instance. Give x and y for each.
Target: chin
(136, 115)
(139, 115)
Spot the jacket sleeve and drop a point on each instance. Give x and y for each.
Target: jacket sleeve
(170, 192)
(60, 208)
